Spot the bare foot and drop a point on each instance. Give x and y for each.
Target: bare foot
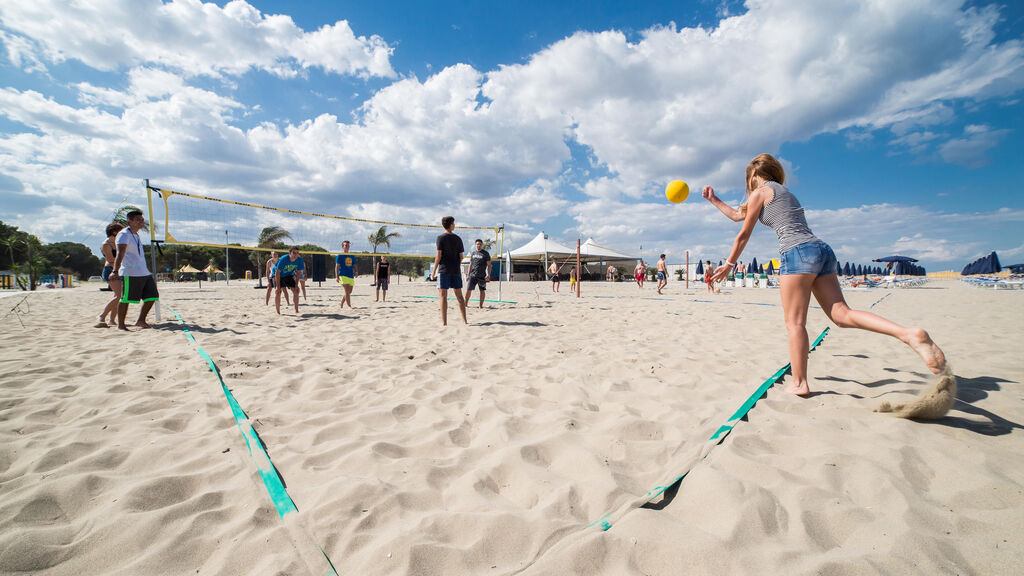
(932, 355)
(799, 390)
(142, 324)
(123, 327)
(100, 324)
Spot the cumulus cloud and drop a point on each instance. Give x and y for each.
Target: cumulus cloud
(189, 36)
(691, 103)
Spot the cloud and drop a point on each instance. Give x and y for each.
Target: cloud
(970, 150)
(691, 103)
(189, 36)
(698, 103)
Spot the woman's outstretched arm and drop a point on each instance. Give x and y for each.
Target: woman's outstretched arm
(734, 214)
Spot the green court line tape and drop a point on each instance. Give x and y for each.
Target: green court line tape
(450, 299)
(606, 523)
(272, 481)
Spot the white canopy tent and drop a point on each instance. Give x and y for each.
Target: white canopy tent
(541, 248)
(538, 249)
(594, 251)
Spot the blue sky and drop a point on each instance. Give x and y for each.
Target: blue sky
(899, 123)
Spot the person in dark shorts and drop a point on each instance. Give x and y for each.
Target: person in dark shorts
(553, 275)
(271, 262)
(662, 273)
(139, 286)
(479, 265)
(286, 276)
(382, 277)
(446, 268)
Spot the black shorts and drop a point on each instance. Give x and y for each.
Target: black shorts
(288, 282)
(477, 282)
(270, 281)
(554, 278)
(382, 284)
(139, 289)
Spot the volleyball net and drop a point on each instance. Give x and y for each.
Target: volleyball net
(192, 219)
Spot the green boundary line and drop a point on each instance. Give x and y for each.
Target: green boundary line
(283, 503)
(722, 431)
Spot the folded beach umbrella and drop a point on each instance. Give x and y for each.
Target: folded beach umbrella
(846, 269)
(993, 262)
(700, 268)
(760, 269)
(771, 269)
(754, 264)
(751, 268)
(860, 270)
(839, 268)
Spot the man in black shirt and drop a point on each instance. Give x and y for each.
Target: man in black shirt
(382, 277)
(446, 268)
(479, 265)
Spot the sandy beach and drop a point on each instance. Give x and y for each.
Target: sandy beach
(499, 447)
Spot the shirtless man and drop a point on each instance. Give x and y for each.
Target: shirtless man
(662, 274)
(640, 273)
(553, 272)
(611, 273)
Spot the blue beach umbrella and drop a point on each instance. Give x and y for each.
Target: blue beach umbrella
(895, 259)
(751, 268)
(760, 269)
(700, 268)
(754, 264)
(771, 269)
(846, 269)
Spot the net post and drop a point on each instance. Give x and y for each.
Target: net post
(579, 273)
(152, 242)
(501, 248)
(686, 271)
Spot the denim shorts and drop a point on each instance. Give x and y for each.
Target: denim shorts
(446, 281)
(809, 258)
(106, 273)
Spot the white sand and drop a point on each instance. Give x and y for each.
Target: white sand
(488, 449)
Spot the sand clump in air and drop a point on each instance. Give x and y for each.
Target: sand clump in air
(931, 404)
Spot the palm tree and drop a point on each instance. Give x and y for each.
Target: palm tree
(381, 238)
(121, 216)
(9, 242)
(268, 238)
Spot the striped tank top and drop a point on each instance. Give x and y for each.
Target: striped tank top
(784, 214)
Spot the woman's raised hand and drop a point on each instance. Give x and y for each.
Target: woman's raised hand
(708, 193)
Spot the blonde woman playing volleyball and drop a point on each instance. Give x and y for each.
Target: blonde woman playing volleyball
(808, 267)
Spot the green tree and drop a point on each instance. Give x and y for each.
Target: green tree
(121, 216)
(270, 237)
(380, 238)
(72, 256)
(19, 245)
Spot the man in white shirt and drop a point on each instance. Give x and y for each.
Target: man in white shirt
(130, 266)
